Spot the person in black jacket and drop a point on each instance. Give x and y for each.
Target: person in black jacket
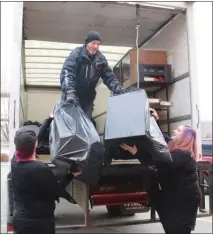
(177, 194)
(81, 72)
(34, 186)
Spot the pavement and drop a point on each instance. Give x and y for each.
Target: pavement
(69, 214)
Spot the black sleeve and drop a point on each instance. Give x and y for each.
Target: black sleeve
(66, 181)
(180, 158)
(49, 185)
(166, 137)
(45, 124)
(68, 73)
(109, 78)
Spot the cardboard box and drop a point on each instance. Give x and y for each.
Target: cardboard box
(145, 57)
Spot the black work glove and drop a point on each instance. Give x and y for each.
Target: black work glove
(119, 90)
(132, 89)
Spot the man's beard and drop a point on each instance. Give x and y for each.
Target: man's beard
(92, 52)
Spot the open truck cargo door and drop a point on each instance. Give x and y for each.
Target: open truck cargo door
(12, 13)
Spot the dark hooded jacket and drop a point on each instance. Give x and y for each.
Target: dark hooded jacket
(80, 75)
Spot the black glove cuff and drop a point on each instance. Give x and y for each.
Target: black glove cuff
(118, 89)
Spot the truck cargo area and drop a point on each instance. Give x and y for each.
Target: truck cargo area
(51, 30)
(163, 29)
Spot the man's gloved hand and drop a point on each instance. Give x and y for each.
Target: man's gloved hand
(132, 89)
(119, 90)
(71, 98)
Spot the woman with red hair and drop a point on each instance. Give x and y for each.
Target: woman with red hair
(177, 194)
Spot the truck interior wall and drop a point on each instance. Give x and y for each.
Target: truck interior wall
(40, 103)
(206, 129)
(173, 39)
(100, 107)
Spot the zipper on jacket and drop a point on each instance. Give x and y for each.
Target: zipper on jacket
(88, 71)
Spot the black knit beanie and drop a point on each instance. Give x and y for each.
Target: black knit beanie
(92, 36)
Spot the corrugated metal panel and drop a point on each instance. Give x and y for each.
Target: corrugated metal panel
(44, 60)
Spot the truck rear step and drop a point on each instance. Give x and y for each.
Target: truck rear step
(119, 199)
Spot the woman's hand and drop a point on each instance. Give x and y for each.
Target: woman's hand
(154, 114)
(52, 112)
(76, 173)
(132, 149)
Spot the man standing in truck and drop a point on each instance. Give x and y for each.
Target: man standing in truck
(81, 72)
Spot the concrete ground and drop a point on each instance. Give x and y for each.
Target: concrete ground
(68, 214)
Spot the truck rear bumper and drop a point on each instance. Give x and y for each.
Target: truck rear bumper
(120, 198)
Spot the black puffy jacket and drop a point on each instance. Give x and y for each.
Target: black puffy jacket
(80, 74)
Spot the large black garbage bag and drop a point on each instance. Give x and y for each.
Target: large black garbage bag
(71, 136)
(159, 148)
(92, 167)
(43, 144)
(128, 121)
(43, 148)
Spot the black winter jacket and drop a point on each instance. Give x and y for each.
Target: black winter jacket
(178, 195)
(80, 75)
(180, 178)
(35, 191)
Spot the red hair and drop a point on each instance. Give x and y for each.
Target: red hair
(187, 143)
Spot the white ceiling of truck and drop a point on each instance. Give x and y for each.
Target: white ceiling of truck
(44, 60)
(53, 29)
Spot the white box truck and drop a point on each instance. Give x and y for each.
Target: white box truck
(34, 59)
